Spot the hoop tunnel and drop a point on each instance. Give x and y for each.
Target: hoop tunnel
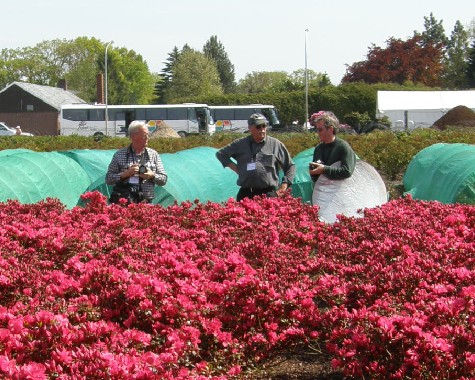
(193, 174)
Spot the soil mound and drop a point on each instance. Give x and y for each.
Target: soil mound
(459, 116)
(164, 130)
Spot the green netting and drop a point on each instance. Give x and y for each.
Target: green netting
(442, 172)
(303, 186)
(30, 177)
(10, 152)
(193, 174)
(196, 174)
(95, 164)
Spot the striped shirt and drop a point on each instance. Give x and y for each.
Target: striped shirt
(125, 157)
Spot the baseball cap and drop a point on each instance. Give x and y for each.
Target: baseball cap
(257, 119)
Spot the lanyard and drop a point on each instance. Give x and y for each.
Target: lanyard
(134, 156)
(251, 143)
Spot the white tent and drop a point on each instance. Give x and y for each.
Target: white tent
(419, 109)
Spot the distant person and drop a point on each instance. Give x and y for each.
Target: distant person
(258, 160)
(331, 149)
(18, 130)
(135, 170)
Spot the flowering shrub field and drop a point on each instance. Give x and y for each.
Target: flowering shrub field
(208, 291)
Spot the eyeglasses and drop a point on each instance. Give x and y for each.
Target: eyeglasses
(261, 126)
(318, 130)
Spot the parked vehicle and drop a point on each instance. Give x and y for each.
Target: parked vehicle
(5, 130)
(90, 119)
(233, 118)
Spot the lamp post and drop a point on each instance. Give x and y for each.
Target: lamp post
(306, 82)
(105, 93)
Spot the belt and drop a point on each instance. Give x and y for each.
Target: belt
(257, 190)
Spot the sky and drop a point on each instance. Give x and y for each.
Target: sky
(257, 35)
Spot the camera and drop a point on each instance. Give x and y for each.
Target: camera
(142, 169)
(311, 166)
(131, 193)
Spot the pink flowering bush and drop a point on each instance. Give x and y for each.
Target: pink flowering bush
(209, 291)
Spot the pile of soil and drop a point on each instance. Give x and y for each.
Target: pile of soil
(459, 116)
(164, 130)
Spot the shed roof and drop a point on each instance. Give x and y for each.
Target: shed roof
(54, 96)
(424, 100)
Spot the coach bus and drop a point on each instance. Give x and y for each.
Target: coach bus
(89, 119)
(233, 118)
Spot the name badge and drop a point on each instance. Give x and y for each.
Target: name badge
(251, 166)
(134, 180)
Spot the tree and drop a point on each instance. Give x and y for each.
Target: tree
(434, 32)
(262, 81)
(314, 79)
(471, 66)
(401, 61)
(166, 75)
(49, 61)
(214, 49)
(79, 61)
(27, 64)
(456, 59)
(130, 81)
(84, 59)
(193, 75)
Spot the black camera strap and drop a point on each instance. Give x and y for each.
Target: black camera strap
(142, 161)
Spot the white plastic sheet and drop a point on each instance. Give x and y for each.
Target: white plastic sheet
(364, 189)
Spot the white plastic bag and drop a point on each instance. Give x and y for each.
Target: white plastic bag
(364, 189)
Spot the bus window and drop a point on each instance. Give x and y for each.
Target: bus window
(178, 114)
(115, 114)
(96, 115)
(270, 115)
(243, 114)
(156, 114)
(77, 115)
(224, 114)
(140, 114)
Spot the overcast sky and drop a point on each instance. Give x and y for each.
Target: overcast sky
(258, 35)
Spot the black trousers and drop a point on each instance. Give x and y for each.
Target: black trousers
(249, 192)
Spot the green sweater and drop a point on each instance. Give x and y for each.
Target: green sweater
(328, 154)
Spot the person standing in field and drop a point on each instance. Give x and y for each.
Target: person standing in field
(331, 149)
(135, 170)
(257, 161)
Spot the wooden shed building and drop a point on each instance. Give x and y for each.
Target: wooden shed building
(34, 107)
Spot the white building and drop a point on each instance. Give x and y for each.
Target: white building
(419, 109)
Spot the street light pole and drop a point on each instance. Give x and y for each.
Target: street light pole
(105, 93)
(306, 82)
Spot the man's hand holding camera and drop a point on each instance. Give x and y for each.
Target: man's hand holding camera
(316, 168)
(146, 173)
(141, 170)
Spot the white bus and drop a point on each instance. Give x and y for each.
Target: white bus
(234, 118)
(89, 119)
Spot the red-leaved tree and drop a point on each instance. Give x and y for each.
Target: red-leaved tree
(412, 60)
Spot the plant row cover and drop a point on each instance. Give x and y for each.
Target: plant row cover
(212, 290)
